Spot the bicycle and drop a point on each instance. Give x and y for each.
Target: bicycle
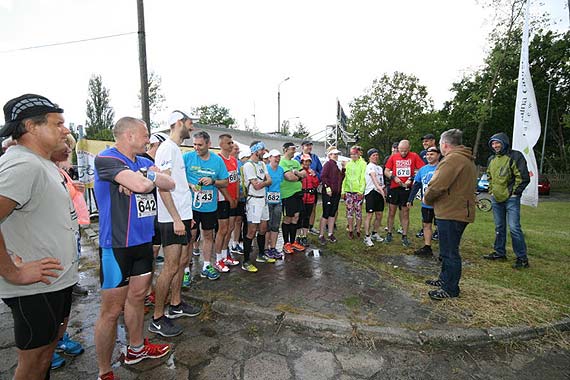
(483, 201)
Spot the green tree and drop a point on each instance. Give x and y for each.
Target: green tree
(215, 114)
(301, 131)
(389, 110)
(100, 114)
(156, 98)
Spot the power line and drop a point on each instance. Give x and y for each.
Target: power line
(67, 42)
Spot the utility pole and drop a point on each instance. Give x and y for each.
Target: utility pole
(142, 65)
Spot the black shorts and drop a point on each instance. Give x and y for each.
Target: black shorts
(428, 215)
(156, 237)
(374, 202)
(240, 210)
(168, 236)
(330, 205)
(120, 264)
(223, 210)
(293, 204)
(37, 318)
(205, 220)
(398, 196)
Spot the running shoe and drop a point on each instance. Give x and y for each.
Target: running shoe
(108, 376)
(57, 361)
(376, 237)
(287, 248)
(305, 241)
(405, 242)
(237, 249)
(322, 240)
(149, 351)
(186, 280)
(249, 267)
(313, 231)
(400, 231)
(388, 238)
(264, 259)
(196, 252)
(231, 261)
(276, 254)
(149, 299)
(332, 239)
(420, 233)
(439, 294)
(79, 290)
(435, 236)
(182, 310)
(210, 273)
(424, 251)
(368, 241)
(159, 259)
(521, 263)
(297, 247)
(165, 327)
(438, 283)
(69, 347)
(221, 267)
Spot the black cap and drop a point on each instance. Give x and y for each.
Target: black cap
(288, 145)
(307, 142)
(429, 136)
(23, 107)
(371, 151)
(433, 149)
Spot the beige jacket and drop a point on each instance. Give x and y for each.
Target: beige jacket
(451, 190)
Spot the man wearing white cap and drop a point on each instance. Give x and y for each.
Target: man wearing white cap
(175, 222)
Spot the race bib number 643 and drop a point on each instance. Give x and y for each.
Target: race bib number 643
(146, 205)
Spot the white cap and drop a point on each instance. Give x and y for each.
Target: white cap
(274, 153)
(333, 151)
(246, 152)
(266, 155)
(179, 115)
(158, 137)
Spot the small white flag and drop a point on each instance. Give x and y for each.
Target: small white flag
(527, 127)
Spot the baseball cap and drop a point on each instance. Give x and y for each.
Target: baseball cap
(371, 151)
(178, 115)
(245, 152)
(158, 137)
(274, 153)
(307, 142)
(266, 155)
(433, 149)
(429, 136)
(23, 107)
(306, 157)
(288, 145)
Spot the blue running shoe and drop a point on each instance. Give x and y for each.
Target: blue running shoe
(57, 361)
(69, 347)
(186, 280)
(210, 273)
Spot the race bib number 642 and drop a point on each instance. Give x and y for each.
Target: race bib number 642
(146, 205)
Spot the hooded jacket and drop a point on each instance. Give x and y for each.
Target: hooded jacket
(451, 190)
(507, 170)
(355, 178)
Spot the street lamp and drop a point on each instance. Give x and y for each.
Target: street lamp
(279, 103)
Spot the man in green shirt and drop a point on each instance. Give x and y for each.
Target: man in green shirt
(292, 198)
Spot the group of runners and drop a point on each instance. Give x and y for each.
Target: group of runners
(155, 197)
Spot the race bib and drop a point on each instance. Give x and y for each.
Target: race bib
(403, 172)
(273, 197)
(233, 176)
(146, 205)
(205, 196)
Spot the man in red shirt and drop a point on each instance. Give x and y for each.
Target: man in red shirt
(401, 168)
(227, 206)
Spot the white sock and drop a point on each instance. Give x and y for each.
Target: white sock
(220, 256)
(206, 263)
(224, 254)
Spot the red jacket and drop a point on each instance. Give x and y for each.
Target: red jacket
(310, 184)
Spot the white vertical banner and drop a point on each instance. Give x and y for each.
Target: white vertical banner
(527, 127)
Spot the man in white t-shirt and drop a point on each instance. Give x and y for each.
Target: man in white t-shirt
(374, 195)
(175, 222)
(255, 179)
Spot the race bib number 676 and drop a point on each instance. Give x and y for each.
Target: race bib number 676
(146, 205)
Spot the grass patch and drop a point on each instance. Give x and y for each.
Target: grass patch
(493, 294)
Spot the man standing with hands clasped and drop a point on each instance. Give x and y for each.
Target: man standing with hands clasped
(451, 194)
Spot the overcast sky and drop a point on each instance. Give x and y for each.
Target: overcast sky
(235, 53)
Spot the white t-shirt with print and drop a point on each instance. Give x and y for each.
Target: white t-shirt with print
(254, 170)
(373, 168)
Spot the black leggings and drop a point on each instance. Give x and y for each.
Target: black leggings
(305, 215)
